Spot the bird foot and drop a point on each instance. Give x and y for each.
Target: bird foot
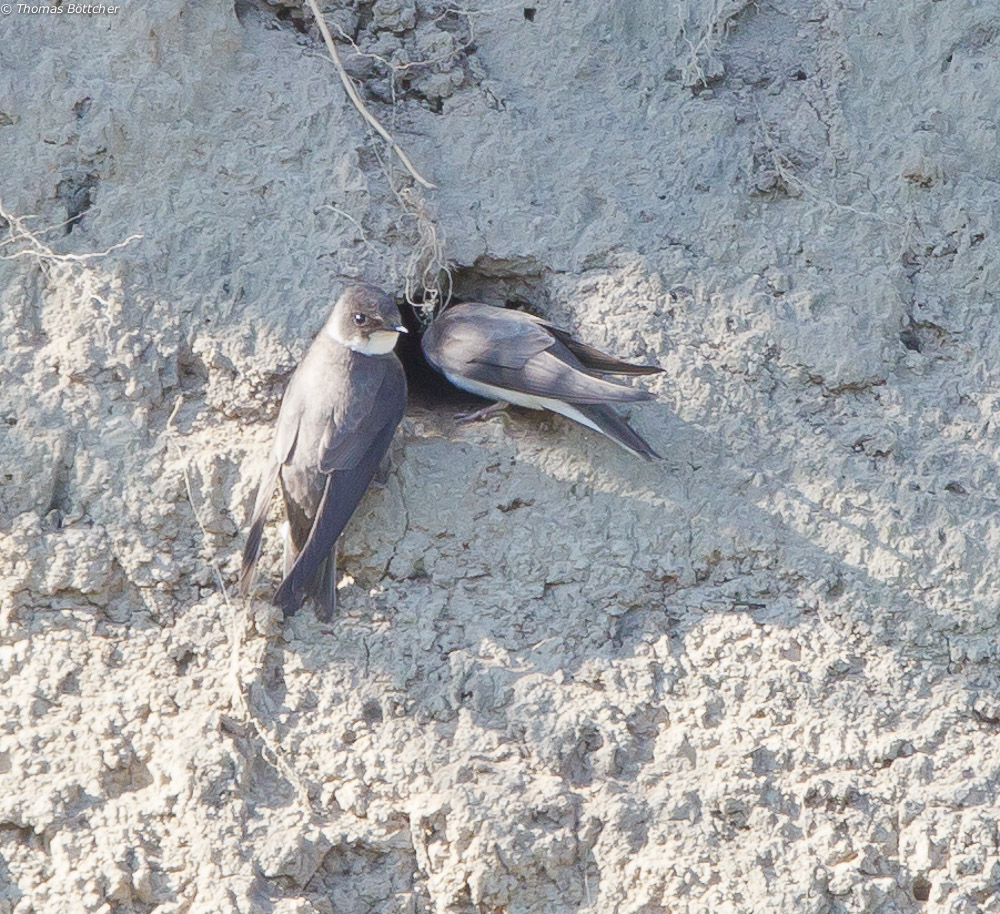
(483, 413)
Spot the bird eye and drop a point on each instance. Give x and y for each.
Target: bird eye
(360, 319)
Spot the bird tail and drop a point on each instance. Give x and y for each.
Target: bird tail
(609, 423)
(323, 588)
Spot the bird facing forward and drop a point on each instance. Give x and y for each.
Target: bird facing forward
(337, 417)
(515, 357)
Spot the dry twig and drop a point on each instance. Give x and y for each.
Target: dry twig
(784, 168)
(352, 93)
(38, 249)
(427, 268)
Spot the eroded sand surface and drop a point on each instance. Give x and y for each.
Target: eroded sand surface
(761, 674)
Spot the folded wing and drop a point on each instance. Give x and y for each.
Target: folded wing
(285, 437)
(351, 451)
(516, 351)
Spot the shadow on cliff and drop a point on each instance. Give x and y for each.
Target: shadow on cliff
(745, 558)
(492, 640)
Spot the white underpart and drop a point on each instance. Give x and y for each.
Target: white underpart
(520, 399)
(381, 342)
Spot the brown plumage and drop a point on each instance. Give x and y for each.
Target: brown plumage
(515, 357)
(337, 418)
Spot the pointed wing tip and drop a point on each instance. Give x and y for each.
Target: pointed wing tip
(325, 613)
(640, 447)
(627, 368)
(291, 602)
(640, 371)
(287, 599)
(245, 580)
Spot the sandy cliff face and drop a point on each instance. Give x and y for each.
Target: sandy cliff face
(759, 675)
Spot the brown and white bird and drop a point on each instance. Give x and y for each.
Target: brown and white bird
(337, 417)
(514, 357)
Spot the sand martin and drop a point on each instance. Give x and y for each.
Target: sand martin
(337, 417)
(515, 357)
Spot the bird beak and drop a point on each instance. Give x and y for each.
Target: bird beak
(399, 328)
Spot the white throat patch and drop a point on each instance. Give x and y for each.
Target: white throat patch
(381, 342)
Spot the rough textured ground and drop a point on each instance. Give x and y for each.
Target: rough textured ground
(762, 674)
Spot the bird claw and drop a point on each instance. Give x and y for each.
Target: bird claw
(483, 413)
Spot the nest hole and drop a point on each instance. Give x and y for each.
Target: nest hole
(503, 283)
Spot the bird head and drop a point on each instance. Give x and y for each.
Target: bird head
(366, 320)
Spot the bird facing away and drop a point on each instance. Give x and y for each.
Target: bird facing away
(337, 417)
(515, 357)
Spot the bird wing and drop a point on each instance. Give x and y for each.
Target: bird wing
(594, 360)
(350, 453)
(348, 438)
(473, 332)
(518, 352)
(609, 423)
(285, 438)
(251, 551)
